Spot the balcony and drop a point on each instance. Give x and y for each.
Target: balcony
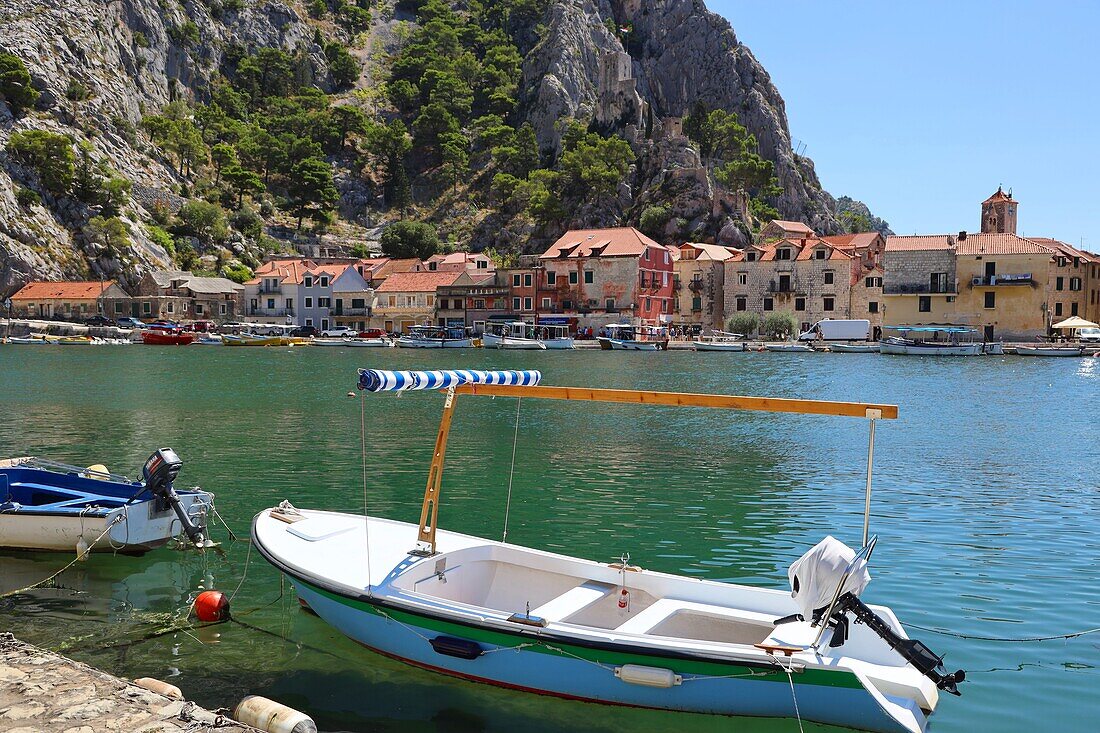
(270, 312)
(695, 285)
(268, 290)
(351, 312)
(916, 289)
(1021, 278)
(781, 286)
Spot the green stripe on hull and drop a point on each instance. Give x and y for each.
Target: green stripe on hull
(817, 677)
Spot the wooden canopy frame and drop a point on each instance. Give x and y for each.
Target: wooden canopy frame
(429, 511)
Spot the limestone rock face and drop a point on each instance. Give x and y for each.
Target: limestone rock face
(122, 59)
(680, 53)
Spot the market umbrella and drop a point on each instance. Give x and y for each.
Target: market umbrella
(1075, 322)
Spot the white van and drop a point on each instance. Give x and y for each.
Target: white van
(838, 330)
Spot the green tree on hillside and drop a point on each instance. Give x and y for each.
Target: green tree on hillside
(48, 153)
(311, 189)
(404, 239)
(109, 232)
(15, 84)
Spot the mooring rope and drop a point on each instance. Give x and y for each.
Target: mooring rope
(79, 556)
(511, 470)
(1009, 639)
(794, 697)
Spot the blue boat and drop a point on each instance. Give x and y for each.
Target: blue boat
(46, 505)
(517, 617)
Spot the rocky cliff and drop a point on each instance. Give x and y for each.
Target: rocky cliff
(628, 67)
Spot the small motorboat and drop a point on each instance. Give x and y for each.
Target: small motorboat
(1049, 350)
(613, 633)
(329, 342)
(626, 337)
(378, 342)
(854, 348)
(436, 337)
(38, 340)
(720, 341)
(77, 341)
(932, 341)
(514, 335)
(789, 347)
(248, 339)
(46, 505)
(209, 339)
(167, 337)
(993, 348)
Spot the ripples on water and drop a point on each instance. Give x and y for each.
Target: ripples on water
(986, 505)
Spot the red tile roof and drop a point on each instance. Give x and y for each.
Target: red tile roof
(1066, 249)
(391, 266)
(289, 271)
(917, 242)
(973, 244)
(417, 282)
(792, 226)
(803, 249)
(709, 251)
(63, 290)
(614, 242)
(859, 240)
(998, 196)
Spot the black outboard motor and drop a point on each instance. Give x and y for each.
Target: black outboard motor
(159, 472)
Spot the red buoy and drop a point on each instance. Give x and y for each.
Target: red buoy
(212, 605)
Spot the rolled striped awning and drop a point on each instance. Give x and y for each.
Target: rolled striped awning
(382, 380)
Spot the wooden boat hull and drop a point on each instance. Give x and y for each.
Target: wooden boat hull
(548, 661)
(906, 349)
(854, 348)
(1048, 351)
(718, 346)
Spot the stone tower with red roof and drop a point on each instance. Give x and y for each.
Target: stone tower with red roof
(999, 213)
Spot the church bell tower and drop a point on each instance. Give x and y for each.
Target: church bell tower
(999, 213)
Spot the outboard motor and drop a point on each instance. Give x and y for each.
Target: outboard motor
(828, 580)
(159, 472)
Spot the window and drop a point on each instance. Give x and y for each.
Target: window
(309, 321)
(767, 304)
(666, 256)
(609, 304)
(527, 280)
(872, 307)
(937, 282)
(828, 278)
(433, 265)
(588, 276)
(800, 304)
(545, 302)
(697, 303)
(573, 277)
(358, 303)
(647, 254)
(991, 299)
(567, 305)
(924, 304)
(146, 308)
(324, 302)
(118, 307)
(221, 309)
(648, 304)
(784, 283)
(309, 302)
(1057, 309)
(551, 278)
(742, 304)
(479, 304)
(482, 265)
(750, 257)
(393, 301)
(271, 304)
(324, 281)
(827, 304)
(171, 307)
(872, 282)
(1059, 284)
(515, 304)
(819, 254)
(643, 277)
(431, 300)
(515, 280)
(528, 304)
(742, 278)
(1062, 261)
(198, 309)
(783, 254)
(308, 282)
(1075, 284)
(289, 304)
(1073, 309)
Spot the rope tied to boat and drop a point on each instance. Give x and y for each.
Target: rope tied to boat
(1015, 640)
(511, 471)
(79, 556)
(790, 679)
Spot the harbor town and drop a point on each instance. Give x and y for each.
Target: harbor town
(619, 285)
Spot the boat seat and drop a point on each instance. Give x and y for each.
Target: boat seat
(572, 601)
(666, 607)
(795, 636)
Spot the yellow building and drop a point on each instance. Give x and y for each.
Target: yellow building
(699, 284)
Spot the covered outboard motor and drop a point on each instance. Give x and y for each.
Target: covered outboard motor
(828, 580)
(159, 472)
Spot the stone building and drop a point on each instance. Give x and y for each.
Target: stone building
(999, 213)
(407, 299)
(777, 229)
(65, 300)
(1073, 287)
(699, 285)
(603, 275)
(352, 297)
(183, 296)
(866, 250)
(471, 299)
(809, 277)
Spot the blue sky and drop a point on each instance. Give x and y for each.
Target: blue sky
(921, 109)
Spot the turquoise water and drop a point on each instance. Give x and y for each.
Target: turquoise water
(986, 504)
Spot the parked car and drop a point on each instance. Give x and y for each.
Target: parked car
(1089, 335)
(98, 320)
(304, 331)
(339, 332)
(201, 327)
(127, 322)
(372, 333)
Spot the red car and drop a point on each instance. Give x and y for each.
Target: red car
(201, 327)
(372, 333)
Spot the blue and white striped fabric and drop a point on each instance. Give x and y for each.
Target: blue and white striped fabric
(381, 380)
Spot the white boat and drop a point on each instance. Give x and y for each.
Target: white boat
(31, 340)
(789, 347)
(993, 348)
(854, 348)
(616, 634)
(1049, 350)
(369, 342)
(932, 341)
(626, 337)
(720, 341)
(209, 339)
(515, 335)
(45, 505)
(436, 337)
(329, 342)
(555, 336)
